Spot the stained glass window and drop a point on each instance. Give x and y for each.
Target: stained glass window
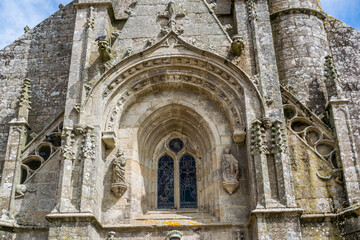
(188, 190)
(166, 182)
(176, 145)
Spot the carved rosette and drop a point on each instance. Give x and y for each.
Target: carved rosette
(118, 185)
(88, 147)
(68, 144)
(278, 138)
(230, 172)
(258, 139)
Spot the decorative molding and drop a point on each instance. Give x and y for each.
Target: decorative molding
(308, 11)
(176, 78)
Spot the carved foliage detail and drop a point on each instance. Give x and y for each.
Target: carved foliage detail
(258, 139)
(24, 100)
(251, 10)
(278, 138)
(331, 77)
(68, 138)
(88, 147)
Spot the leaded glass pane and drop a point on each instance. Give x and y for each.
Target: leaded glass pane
(176, 145)
(166, 182)
(188, 189)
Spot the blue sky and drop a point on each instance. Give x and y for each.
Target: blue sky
(16, 14)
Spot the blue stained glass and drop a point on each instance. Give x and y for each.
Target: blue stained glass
(188, 189)
(176, 145)
(166, 182)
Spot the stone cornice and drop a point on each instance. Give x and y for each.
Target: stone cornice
(308, 11)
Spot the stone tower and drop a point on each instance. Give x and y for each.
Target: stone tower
(186, 119)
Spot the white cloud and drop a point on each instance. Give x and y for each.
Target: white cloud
(16, 14)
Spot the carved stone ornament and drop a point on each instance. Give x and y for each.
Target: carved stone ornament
(230, 172)
(88, 147)
(111, 235)
(251, 10)
(331, 78)
(104, 50)
(109, 138)
(278, 138)
(239, 134)
(67, 145)
(237, 45)
(24, 100)
(118, 186)
(258, 139)
(171, 14)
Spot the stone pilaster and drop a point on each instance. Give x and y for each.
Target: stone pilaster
(348, 156)
(278, 202)
(11, 170)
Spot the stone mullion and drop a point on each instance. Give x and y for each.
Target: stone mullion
(348, 155)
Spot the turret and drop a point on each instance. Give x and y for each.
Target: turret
(301, 46)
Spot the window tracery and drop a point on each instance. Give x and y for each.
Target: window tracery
(176, 179)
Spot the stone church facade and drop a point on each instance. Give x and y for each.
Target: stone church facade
(183, 119)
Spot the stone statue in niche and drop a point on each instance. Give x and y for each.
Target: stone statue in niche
(230, 171)
(118, 185)
(237, 46)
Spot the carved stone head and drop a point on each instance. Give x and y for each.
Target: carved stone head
(237, 46)
(266, 122)
(120, 153)
(227, 150)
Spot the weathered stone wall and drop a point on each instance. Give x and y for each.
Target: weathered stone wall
(319, 228)
(301, 45)
(35, 205)
(344, 42)
(43, 56)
